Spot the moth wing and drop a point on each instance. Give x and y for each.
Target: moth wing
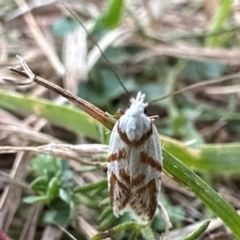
(118, 172)
(146, 177)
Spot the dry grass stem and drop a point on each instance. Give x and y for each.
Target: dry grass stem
(27, 134)
(40, 39)
(62, 151)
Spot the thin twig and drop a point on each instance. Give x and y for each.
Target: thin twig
(201, 84)
(4, 177)
(68, 233)
(53, 149)
(89, 108)
(168, 224)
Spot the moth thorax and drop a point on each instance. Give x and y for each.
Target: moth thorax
(135, 126)
(134, 122)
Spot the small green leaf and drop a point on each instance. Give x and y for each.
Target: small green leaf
(42, 164)
(67, 176)
(40, 184)
(105, 213)
(64, 195)
(62, 216)
(73, 206)
(134, 234)
(113, 14)
(60, 213)
(107, 222)
(219, 20)
(91, 186)
(194, 235)
(35, 199)
(147, 233)
(53, 186)
(119, 228)
(90, 203)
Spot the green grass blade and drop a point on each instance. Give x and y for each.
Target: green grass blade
(208, 196)
(67, 116)
(91, 186)
(119, 228)
(113, 13)
(208, 157)
(194, 235)
(147, 232)
(219, 19)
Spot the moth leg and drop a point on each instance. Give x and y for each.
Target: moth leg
(168, 224)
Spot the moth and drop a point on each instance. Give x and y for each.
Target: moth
(134, 163)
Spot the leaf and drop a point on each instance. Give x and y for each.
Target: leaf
(108, 221)
(147, 233)
(134, 234)
(64, 195)
(119, 228)
(107, 213)
(219, 20)
(60, 213)
(67, 116)
(35, 199)
(88, 202)
(207, 157)
(194, 235)
(42, 164)
(208, 196)
(40, 184)
(91, 186)
(54, 186)
(113, 13)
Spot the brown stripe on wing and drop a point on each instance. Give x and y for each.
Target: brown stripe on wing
(142, 208)
(117, 156)
(119, 195)
(144, 158)
(123, 174)
(131, 182)
(138, 180)
(136, 143)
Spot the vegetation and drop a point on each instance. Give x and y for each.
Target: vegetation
(53, 154)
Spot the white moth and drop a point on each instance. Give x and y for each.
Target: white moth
(134, 163)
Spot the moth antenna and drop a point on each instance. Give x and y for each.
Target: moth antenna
(209, 82)
(100, 50)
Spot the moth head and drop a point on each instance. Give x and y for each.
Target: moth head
(138, 105)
